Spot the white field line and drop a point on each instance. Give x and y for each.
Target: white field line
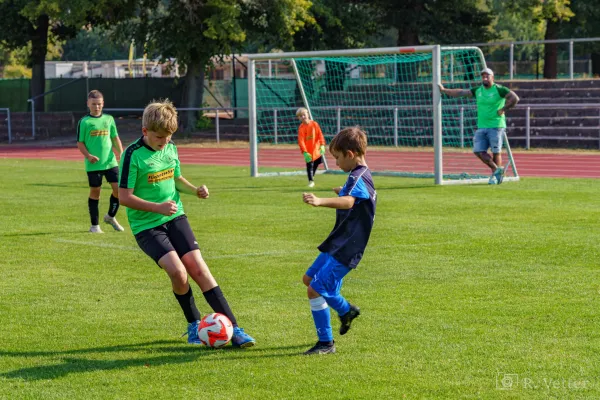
(245, 255)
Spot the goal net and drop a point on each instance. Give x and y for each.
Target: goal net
(391, 93)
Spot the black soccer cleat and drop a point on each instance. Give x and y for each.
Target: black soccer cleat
(321, 348)
(347, 318)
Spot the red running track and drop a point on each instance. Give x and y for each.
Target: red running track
(528, 164)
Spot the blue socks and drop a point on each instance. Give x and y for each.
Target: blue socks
(320, 313)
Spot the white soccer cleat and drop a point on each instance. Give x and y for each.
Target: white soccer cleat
(95, 229)
(114, 223)
(311, 184)
(492, 180)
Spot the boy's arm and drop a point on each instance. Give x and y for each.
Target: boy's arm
(341, 203)
(117, 146)
(129, 200)
(83, 150)
(183, 186)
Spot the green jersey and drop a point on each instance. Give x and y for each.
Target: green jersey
(97, 133)
(151, 174)
(489, 101)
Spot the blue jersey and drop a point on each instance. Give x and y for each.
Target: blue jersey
(348, 239)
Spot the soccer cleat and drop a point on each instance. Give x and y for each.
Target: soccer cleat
(311, 184)
(241, 338)
(113, 222)
(499, 174)
(492, 180)
(321, 348)
(347, 318)
(95, 229)
(192, 333)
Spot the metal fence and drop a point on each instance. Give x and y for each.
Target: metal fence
(8, 123)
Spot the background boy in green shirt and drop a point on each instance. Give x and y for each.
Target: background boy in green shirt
(98, 141)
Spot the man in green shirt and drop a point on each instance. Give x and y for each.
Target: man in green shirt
(149, 187)
(98, 141)
(493, 101)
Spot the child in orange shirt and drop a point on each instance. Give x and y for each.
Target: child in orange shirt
(311, 142)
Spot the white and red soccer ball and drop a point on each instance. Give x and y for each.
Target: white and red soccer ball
(215, 330)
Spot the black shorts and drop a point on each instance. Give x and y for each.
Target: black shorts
(175, 235)
(95, 177)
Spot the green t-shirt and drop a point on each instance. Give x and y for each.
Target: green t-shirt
(151, 174)
(489, 101)
(96, 133)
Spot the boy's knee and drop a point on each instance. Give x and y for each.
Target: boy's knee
(306, 280)
(312, 294)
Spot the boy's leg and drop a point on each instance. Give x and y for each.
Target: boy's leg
(112, 176)
(319, 309)
(309, 171)
(157, 245)
(185, 244)
(95, 183)
(182, 290)
(316, 165)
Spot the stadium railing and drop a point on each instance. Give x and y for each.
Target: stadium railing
(512, 72)
(8, 123)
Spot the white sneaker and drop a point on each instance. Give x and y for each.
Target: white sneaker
(95, 229)
(492, 180)
(113, 221)
(311, 184)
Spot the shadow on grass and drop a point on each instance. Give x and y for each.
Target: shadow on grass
(180, 353)
(64, 185)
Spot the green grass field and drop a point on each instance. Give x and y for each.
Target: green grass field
(461, 290)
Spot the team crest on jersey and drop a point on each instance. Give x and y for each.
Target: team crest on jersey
(161, 175)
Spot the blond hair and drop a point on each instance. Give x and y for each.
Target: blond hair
(301, 110)
(351, 139)
(95, 94)
(160, 116)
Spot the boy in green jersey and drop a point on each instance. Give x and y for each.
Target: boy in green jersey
(98, 141)
(149, 186)
(493, 101)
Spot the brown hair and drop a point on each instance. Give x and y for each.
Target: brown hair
(350, 139)
(160, 116)
(95, 94)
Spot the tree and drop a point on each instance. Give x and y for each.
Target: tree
(434, 21)
(550, 12)
(38, 21)
(194, 32)
(584, 24)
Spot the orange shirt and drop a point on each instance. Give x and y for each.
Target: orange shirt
(310, 139)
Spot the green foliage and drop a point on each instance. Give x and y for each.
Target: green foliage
(95, 45)
(202, 121)
(434, 21)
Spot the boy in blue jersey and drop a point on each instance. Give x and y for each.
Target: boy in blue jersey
(344, 247)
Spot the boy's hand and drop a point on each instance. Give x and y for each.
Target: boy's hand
(167, 208)
(93, 159)
(202, 192)
(337, 190)
(311, 199)
(441, 87)
(307, 157)
(322, 150)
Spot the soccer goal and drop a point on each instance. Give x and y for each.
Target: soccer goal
(391, 93)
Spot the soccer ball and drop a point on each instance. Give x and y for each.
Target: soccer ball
(215, 330)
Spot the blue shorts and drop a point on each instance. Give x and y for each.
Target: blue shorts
(327, 275)
(486, 138)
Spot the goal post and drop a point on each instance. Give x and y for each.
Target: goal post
(391, 93)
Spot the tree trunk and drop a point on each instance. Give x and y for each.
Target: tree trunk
(39, 47)
(595, 65)
(551, 50)
(193, 93)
